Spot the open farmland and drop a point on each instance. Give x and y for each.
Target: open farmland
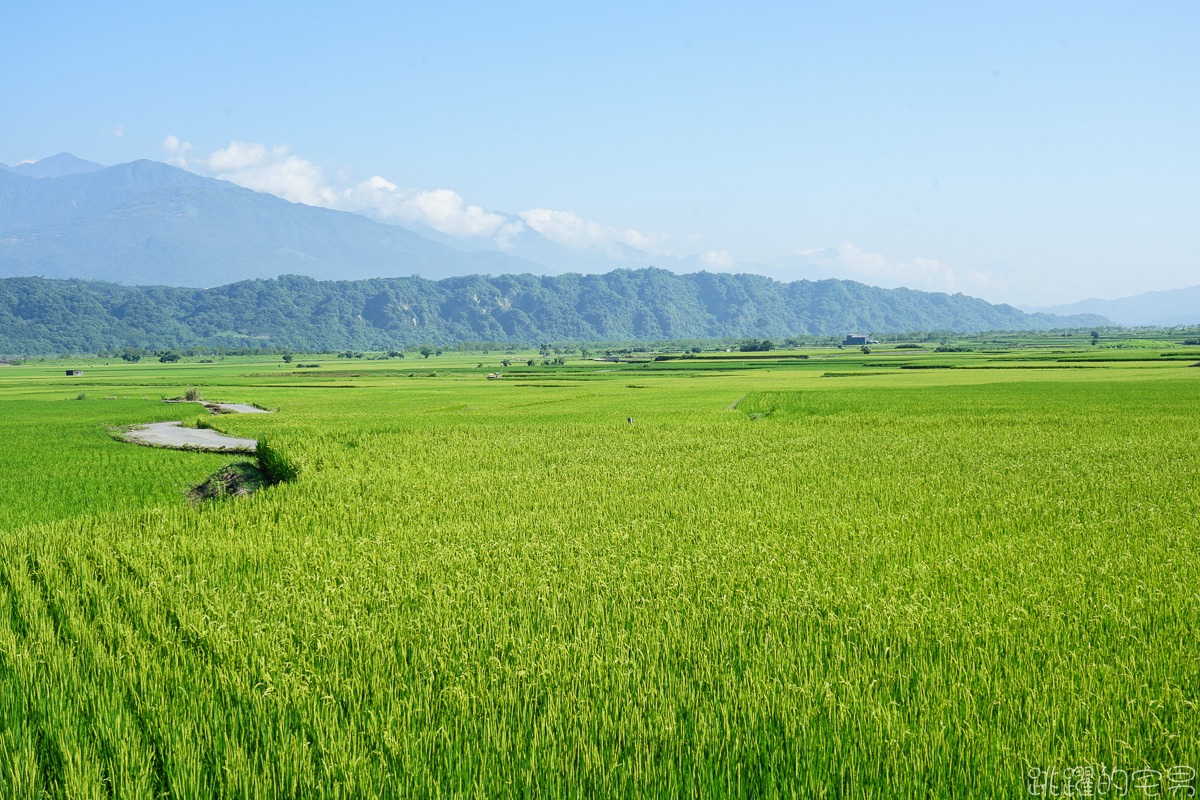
(894, 574)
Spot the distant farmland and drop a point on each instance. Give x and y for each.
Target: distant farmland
(849, 574)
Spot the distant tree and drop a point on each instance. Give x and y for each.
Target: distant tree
(288, 358)
(529, 362)
(168, 358)
(866, 350)
(426, 351)
(1095, 337)
(131, 356)
(507, 362)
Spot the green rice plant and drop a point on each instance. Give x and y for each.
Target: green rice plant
(902, 584)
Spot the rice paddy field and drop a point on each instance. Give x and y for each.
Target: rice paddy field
(896, 574)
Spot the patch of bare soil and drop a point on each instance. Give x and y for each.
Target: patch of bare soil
(233, 480)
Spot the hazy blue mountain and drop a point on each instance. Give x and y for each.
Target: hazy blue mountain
(1164, 308)
(299, 313)
(56, 166)
(150, 223)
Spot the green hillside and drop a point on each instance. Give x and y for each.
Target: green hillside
(52, 316)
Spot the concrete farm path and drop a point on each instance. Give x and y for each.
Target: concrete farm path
(174, 435)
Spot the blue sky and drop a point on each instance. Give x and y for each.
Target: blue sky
(1027, 153)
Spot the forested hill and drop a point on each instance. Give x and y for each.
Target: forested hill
(53, 316)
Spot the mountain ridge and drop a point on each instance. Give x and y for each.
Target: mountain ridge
(146, 222)
(55, 166)
(1157, 308)
(297, 312)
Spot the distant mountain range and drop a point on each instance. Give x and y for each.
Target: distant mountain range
(148, 223)
(151, 223)
(299, 313)
(1158, 309)
(57, 166)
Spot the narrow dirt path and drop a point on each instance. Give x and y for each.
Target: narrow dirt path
(236, 408)
(225, 408)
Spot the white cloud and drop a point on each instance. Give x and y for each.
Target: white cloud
(241, 155)
(274, 170)
(927, 274)
(718, 259)
(847, 260)
(441, 209)
(571, 230)
(255, 166)
(118, 131)
(177, 151)
(278, 171)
